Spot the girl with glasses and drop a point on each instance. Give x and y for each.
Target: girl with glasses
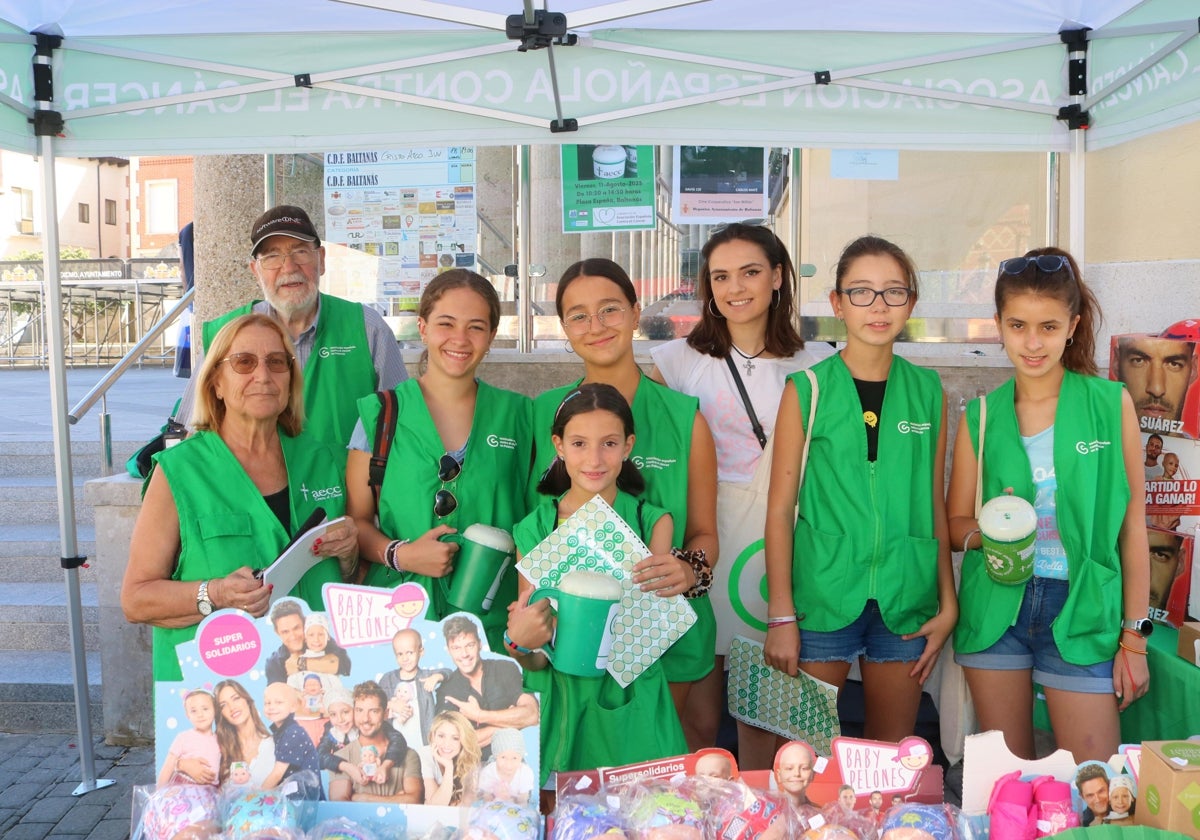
(460, 453)
(593, 436)
(747, 318)
(598, 307)
(1068, 443)
(863, 573)
(226, 501)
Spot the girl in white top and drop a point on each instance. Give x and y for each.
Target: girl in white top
(745, 289)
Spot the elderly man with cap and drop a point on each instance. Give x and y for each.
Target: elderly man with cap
(345, 349)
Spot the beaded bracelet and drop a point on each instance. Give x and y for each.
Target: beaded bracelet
(699, 563)
(513, 647)
(389, 554)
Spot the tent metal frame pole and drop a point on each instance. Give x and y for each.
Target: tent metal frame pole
(67, 530)
(1078, 164)
(68, 535)
(1052, 175)
(524, 251)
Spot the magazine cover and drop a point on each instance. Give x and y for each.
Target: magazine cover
(365, 708)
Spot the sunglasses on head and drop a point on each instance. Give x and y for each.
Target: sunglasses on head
(444, 502)
(1045, 263)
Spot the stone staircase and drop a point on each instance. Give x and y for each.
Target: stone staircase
(36, 681)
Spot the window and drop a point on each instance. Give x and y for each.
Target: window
(110, 212)
(85, 213)
(24, 210)
(162, 207)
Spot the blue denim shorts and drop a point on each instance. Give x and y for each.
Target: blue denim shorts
(1029, 644)
(867, 636)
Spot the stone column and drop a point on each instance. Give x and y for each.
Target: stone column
(229, 193)
(548, 245)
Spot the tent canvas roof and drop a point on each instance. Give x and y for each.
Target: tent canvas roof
(211, 76)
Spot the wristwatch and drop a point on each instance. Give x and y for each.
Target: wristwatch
(1142, 626)
(204, 605)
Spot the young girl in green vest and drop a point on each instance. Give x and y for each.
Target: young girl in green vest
(863, 574)
(589, 722)
(1067, 442)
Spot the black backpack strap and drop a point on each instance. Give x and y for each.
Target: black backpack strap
(385, 431)
(754, 424)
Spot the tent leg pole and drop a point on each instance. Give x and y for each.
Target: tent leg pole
(1078, 193)
(68, 534)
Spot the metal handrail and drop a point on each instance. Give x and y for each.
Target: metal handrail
(101, 388)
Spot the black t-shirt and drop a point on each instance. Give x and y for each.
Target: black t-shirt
(280, 505)
(870, 396)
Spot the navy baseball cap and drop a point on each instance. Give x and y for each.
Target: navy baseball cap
(284, 220)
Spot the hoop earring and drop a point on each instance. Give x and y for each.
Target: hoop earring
(713, 312)
(570, 349)
(1070, 340)
(776, 297)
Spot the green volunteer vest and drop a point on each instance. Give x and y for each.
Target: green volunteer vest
(589, 722)
(338, 372)
(865, 529)
(225, 524)
(662, 421)
(1093, 492)
(490, 489)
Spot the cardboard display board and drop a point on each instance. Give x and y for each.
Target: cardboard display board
(1170, 784)
(296, 674)
(1161, 377)
(904, 770)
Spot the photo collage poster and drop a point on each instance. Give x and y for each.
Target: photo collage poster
(243, 675)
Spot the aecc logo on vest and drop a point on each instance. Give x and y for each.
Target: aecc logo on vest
(336, 350)
(1086, 447)
(334, 492)
(501, 442)
(652, 462)
(905, 427)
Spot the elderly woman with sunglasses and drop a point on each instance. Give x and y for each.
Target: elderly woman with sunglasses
(226, 501)
(460, 453)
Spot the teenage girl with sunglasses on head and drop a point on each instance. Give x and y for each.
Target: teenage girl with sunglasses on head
(747, 316)
(589, 722)
(864, 573)
(1068, 443)
(460, 454)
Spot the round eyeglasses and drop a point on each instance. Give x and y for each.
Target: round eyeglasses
(608, 316)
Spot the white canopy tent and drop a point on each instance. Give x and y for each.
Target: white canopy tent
(152, 76)
(223, 76)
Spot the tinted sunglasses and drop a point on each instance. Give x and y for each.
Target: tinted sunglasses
(444, 502)
(248, 362)
(1046, 263)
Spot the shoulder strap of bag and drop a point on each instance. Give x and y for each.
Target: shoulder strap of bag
(385, 431)
(979, 458)
(812, 416)
(737, 380)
